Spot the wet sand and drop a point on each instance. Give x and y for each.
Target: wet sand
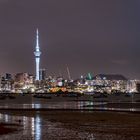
(99, 122)
(120, 125)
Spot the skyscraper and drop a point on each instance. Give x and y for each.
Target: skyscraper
(42, 74)
(37, 54)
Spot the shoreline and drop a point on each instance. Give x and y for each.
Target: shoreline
(96, 109)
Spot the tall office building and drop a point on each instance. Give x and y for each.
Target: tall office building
(42, 74)
(37, 54)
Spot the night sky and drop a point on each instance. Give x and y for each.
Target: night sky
(97, 36)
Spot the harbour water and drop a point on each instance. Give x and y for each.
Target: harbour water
(29, 102)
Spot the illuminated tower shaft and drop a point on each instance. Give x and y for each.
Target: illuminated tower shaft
(37, 54)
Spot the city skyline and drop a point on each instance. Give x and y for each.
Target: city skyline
(92, 36)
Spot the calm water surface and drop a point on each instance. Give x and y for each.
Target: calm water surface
(56, 103)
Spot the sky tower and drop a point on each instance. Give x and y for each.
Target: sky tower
(37, 54)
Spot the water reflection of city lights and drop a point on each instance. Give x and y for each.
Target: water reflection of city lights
(24, 122)
(33, 127)
(6, 118)
(33, 105)
(37, 106)
(37, 128)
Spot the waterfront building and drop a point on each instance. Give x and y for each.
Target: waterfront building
(23, 82)
(20, 80)
(138, 86)
(111, 82)
(108, 83)
(6, 83)
(132, 86)
(31, 79)
(8, 76)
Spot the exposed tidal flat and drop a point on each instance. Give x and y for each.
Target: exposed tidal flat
(74, 125)
(30, 118)
(6, 128)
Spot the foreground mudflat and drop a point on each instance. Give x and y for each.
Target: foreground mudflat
(8, 128)
(81, 125)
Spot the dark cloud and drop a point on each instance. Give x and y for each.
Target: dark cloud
(100, 36)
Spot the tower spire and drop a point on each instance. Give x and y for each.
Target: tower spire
(37, 39)
(37, 54)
